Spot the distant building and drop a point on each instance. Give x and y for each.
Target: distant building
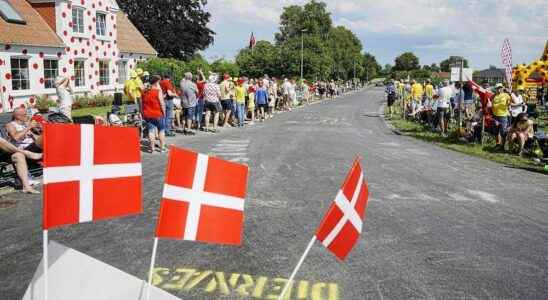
(441, 75)
(492, 76)
(91, 42)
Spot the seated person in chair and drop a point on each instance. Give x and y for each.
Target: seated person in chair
(521, 132)
(19, 158)
(24, 133)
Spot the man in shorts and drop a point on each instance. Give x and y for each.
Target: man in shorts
(443, 104)
(189, 100)
(391, 97)
(212, 95)
(227, 90)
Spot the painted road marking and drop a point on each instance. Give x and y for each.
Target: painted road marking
(232, 150)
(183, 280)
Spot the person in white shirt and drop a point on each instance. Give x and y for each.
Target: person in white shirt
(286, 86)
(443, 103)
(517, 105)
(62, 86)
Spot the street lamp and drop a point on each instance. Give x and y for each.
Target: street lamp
(302, 52)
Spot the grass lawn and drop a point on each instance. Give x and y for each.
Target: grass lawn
(419, 131)
(94, 111)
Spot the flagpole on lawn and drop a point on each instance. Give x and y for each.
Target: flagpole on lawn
(149, 286)
(45, 260)
(288, 283)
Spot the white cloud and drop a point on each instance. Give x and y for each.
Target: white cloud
(474, 27)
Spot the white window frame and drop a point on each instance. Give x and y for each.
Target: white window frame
(79, 82)
(53, 72)
(104, 72)
(21, 75)
(122, 71)
(78, 21)
(101, 27)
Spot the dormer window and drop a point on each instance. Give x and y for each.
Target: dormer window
(78, 19)
(9, 14)
(101, 24)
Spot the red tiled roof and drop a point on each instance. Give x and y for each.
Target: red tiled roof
(36, 32)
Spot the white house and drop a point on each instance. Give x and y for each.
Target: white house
(92, 42)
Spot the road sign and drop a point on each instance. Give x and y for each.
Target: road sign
(466, 74)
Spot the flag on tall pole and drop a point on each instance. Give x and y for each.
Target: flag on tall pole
(202, 201)
(90, 173)
(342, 225)
(506, 55)
(252, 42)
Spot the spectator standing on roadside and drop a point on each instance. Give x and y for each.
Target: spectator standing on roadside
(443, 104)
(154, 113)
(417, 92)
(500, 105)
(429, 93)
(212, 95)
(168, 91)
(261, 99)
(133, 88)
(189, 99)
(62, 87)
(391, 97)
(239, 96)
(251, 100)
(286, 86)
(292, 93)
(226, 97)
(272, 96)
(200, 84)
(469, 109)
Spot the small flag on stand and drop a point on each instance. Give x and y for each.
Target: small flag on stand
(341, 227)
(90, 173)
(202, 201)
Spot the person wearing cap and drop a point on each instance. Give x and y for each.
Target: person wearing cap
(62, 87)
(429, 92)
(390, 96)
(517, 105)
(133, 87)
(212, 95)
(500, 106)
(227, 88)
(416, 96)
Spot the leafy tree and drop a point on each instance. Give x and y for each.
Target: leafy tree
(371, 67)
(452, 61)
(434, 67)
(264, 59)
(318, 63)
(312, 17)
(222, 66)
(175, 28)
(345, 49)
(406, 62)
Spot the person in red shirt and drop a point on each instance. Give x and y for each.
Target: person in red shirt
(154, 113)
(200, 83)
(169, 93)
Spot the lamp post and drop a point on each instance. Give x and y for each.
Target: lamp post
(302, 52)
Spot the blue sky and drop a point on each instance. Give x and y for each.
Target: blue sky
(432, 29)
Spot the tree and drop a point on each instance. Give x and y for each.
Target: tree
(264, 59)
(345, 49)
(434, 67)
(223, 66)
(312, 17)
(371, 67)
(452, 61)
(175, 28)
(318, 63)
(406, 62)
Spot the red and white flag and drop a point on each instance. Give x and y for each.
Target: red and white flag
(252, 41)
(90, 173)
(506, 56)
(342, 225)
(203, 199)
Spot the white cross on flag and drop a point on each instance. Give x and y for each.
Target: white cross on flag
(341, 227)
(90, 173)
(203, 199)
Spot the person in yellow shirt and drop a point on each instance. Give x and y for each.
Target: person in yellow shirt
(133, 88)
(429, 92)
(239, 96)
(416, 95)
(500, 106)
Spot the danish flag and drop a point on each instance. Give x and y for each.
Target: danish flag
(90, 173)
(203, 199)
(342, 225)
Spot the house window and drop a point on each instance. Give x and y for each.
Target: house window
(51, 70)
(9, 14)
(103, 72)
(20, 74)
(101, 24)
(122, 71)
(79, 73)
(78, 19)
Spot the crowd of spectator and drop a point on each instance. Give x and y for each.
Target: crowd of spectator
(473, 110)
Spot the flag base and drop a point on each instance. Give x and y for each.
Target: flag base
(74, 275)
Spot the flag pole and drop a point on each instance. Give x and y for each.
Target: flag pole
(149, 286)
(288, 283)
(45, 260)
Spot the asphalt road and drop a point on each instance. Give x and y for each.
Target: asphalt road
(440, 225)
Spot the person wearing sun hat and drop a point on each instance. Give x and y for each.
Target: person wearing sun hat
(133, 87)
(500, 106)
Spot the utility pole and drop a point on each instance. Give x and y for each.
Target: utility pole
(302, 53)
